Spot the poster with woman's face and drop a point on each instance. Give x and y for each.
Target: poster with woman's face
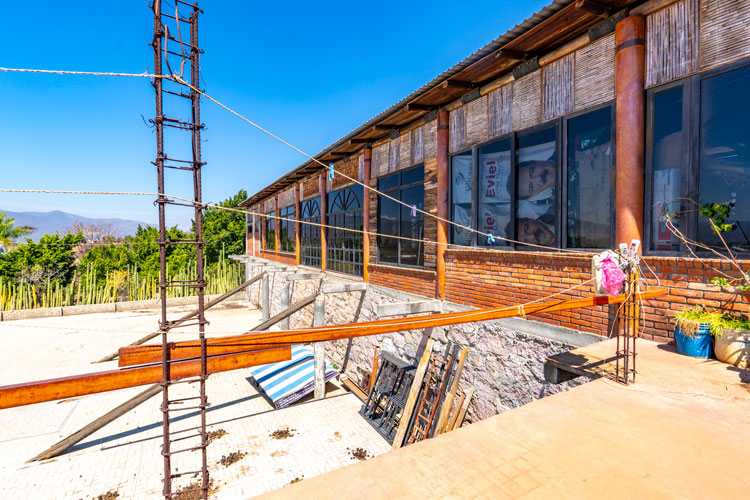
(536, 185)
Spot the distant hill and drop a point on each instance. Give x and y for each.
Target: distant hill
(52, 222)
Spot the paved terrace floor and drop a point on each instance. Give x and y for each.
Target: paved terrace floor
(681, 432)
(125, 455)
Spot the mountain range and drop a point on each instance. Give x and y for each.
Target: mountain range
(52, 222)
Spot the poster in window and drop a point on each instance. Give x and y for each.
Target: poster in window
(462, 216)
(461, 179)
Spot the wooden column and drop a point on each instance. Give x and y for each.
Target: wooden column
(366, 215)
(631, 118)
(323, 210)
(297, 225)
(277, 227)
(442, 199)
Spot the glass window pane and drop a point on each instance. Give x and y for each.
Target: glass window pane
(725, 154)
(412, 175)
(667, 167)
(412, 226)
(388, 224)
(388, 182)
(270, 231)
(589, 188)
(536, 192)
(495, 188)
(461, 198)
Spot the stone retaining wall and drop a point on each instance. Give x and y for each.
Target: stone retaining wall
(505, 359)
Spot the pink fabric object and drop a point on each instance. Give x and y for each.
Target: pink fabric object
(613, 277)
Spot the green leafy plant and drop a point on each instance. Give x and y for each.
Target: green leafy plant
(718, 213)
(689, 321)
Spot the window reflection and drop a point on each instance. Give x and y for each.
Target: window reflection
(397, 220)
(589, 165)
(724, 155)
(667, 167)
(270, 231)
(495, 191)
(461, 198)
(536, 188)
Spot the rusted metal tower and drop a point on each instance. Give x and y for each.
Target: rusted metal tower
(178, 56)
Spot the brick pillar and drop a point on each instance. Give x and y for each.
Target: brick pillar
(366, 215)
(323, 211)
(277, 225)
(442, 199)
(631, 119)
(297, 225)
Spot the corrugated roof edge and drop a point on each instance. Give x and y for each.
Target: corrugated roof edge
(510, 35)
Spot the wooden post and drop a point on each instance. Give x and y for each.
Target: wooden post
(443, 181)
(319, 354)
(285, 303)
(374, 371)
(411, 401)
(445, 411)
(463, 409)
(297, 225)
(366, 215)
(631, 118)
(323, 212)
(265, 299)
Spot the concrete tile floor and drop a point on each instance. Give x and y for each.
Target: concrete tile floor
(125, 455)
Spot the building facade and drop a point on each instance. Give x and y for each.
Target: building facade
(587, 125)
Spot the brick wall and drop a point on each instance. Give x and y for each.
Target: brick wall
(283, 257)
(490, 278)
(418, 281)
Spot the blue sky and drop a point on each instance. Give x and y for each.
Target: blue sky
(309, 71)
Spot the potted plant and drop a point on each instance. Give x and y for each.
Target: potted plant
(731, 333)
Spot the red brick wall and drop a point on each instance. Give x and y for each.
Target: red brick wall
(283, 257)
(419, 281)
(485, 278)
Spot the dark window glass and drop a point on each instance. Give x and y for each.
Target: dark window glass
(536, 188)
(495, 191)
(310, 253)
(724, 168)
(345, 247)
(666, 161)
(397, 220)
(287, 229)
(462, 194)
(589, 188)
(270, 231)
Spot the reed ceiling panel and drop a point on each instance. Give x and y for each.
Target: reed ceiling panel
(527, 100)
(672, 42)
(595, 73)
(724, 31)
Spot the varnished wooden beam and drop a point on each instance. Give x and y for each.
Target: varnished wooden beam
(413, 106)
(359, 141)
(384, 128)
(130, 356)
(593, 7)
(455, 84)
(511, 54)
(92, 383)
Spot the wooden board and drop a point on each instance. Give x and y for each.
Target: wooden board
(445, 411)
(464, 409)
(416, 385)
(130, 356)
(91, 383)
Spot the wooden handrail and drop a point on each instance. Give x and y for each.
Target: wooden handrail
(130, 356)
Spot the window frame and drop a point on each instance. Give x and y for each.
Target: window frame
(400, 187)
(270, 219)
(335, 264)
(315, 261)
(690, 174)
(286, 223)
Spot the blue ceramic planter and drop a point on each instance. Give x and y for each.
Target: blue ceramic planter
(699, 345)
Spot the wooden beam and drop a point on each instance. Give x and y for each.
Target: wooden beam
(452, 422)
(193, 314)
(92, 383)
(511, 54)
(593, 7)
(456, 84)
(464, 408)
(87, 430)
(413, 106)
(360, 141)
(411, 401)
(445, 411)
(384, 128)
(139, 355)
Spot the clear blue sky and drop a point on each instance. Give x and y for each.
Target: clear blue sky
(309, 71)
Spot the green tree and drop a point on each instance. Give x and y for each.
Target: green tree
(223, 229)
(8, 232)
(50, 260)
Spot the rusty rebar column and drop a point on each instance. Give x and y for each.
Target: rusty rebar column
(631, 118)
(366, 215)
(443, 169)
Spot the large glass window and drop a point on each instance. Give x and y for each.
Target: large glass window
(724, 154)
(310, 253)
(286, 226)
(462, 194)
(398, 220)
(495, 192)
(270, 231)
(345, 247)
(666, 166)
(536, 188)
(588, 179)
